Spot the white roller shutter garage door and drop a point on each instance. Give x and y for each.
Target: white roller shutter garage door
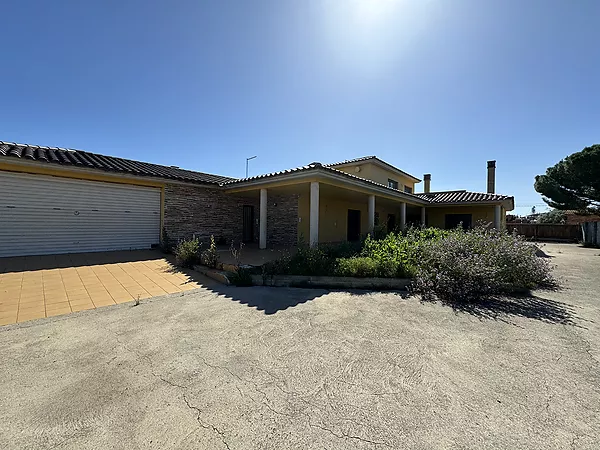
(42, 215)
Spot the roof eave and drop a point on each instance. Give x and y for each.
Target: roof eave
(97, 171)
(304, 174)
(375, 160)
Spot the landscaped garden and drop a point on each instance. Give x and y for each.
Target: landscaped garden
(452, 265)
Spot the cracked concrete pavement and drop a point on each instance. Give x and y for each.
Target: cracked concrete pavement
(272, 368)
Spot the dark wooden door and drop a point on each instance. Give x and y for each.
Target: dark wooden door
(391, 223)
(353, 225)
(248, 224)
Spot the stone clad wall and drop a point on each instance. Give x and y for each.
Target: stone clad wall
(282, 219)
(204, 211)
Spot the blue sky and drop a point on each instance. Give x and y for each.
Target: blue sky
(428, 85)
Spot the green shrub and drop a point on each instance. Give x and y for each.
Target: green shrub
(394, 255)
(310, 261)
(468, 265)
(187, 253)
(241, 277)
(210, 256)
(165, 241)
(358, 266)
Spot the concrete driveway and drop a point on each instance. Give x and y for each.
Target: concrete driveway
(34, 287)
(269, 368)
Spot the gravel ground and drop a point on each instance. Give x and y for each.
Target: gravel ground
(274, 368)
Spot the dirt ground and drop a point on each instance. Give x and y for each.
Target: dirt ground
(273, 368)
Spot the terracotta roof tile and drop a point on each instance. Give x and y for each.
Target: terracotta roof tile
(56, 155)
(462, 197)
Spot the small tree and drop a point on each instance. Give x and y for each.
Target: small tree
(573, 183)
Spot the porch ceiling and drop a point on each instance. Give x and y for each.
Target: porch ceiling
(342, 190)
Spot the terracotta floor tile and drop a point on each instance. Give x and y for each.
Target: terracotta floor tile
(77, 293)
(122, 298)
(80, 301)
(31, 298)
(8, 320)
(51, 300)
(58, 288)
(58, 312)
(28, 305)
(54, 306)
(23, 317)
(51, 296)
(98, 295)
(31, 307)
(154, 289)
(105, 302)
(9, 308)
(28, 291)
(83, 307)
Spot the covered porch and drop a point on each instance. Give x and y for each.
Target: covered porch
(323, 209)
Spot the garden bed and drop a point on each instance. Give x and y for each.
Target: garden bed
(331, 282)
(449, 265)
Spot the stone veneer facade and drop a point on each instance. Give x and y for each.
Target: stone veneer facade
(204, 211)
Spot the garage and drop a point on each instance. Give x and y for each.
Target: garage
(41, 214)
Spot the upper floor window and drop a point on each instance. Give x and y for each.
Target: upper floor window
(408, 189)
(392, 183)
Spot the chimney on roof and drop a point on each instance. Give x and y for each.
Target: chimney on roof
(491, 177)
(427, 181)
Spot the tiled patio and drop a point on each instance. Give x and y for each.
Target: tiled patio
(44, 286)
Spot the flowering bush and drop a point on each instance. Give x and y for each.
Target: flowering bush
(467, 265)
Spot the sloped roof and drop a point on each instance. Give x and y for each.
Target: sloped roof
(315, 166)
(83, 159)
(373, 158)
(462, 196)
(87, 160)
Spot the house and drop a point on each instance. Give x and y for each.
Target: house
(56, 200)
(577, 218)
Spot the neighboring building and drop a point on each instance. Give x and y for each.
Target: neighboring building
(61, 201)
(575, 217)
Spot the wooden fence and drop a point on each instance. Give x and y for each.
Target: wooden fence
(547, 231)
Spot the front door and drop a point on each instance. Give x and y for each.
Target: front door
(248, 224)
(391, 223)
(353, 225)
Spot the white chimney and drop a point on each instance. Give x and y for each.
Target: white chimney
(491, 177)
(427, 183)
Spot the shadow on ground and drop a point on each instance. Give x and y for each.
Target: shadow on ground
(528, 306)
(269, 300)
(63, 261)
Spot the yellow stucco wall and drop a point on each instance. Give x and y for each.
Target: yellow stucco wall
(436, 217)
(379, 175)
(333, 217)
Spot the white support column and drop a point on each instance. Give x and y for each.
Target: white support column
(262, 238)
(371, 213)
(402, 216)
(422, 215)
(314, 213)
(498, 217)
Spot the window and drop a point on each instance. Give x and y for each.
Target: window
(392, 183)
(408, 189)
